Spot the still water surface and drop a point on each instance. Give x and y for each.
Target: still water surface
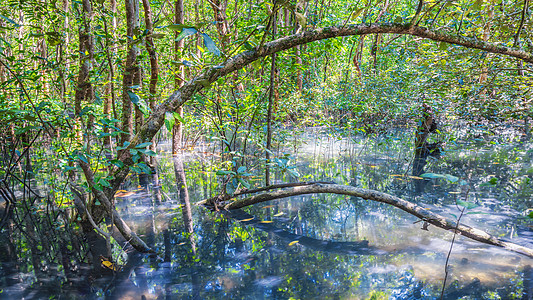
(332, 246)
(313, 246)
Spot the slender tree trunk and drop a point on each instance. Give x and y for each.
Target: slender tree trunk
(177, 135)
(154, 64)
(84, 89)
(110, 96)
(271, 95)
(131, 76)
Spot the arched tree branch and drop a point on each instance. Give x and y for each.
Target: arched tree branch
(179, 97)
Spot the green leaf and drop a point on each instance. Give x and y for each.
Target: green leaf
(139, 103)
(10, 21)
(244, 183)
(117, 163)
(241, 169)
(143, 145)
(178, 117)
(431, 175)
(210, 45)
(126, 144)
(104, 182)
(82, 157)
(294, 173)
(224, 172)
(169, 121)
(451, 178)
(530, 214)
(467, 205)
(358, 11)
(187, 31)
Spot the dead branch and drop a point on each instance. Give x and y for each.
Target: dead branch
(409, 207)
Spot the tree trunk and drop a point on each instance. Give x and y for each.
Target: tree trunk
(110, 96)
(84, 89)
(271, 94)
(131, 77)
(177, 130)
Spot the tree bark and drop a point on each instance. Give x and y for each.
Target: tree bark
(131, 75)
(177, 130)
(84, 89)
(409, 207)
(154, 64)
(271, 93)
(110, 98)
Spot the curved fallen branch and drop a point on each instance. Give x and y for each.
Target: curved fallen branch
(414, 209)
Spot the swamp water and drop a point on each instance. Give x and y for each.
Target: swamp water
(312, 246)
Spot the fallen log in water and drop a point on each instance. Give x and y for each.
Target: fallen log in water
(414, 209)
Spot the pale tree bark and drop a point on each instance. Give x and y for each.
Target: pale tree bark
(131, 76)
(84, 89)
(110, 95)
(486, 37)
(271, 96)
(414, 209)
(154, 64)
(377, 39)
(516, 42)
(177, 130)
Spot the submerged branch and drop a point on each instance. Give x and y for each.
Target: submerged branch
(414, 209)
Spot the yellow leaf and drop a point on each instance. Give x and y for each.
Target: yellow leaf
(454, 192)
(86, 53)
(293, 243)
(182, 243)
(415, 177)
(246, 220)
(279, 214)
(266, 222)
(106, 263)
(396, 175)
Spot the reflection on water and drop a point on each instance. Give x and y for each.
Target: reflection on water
(332, 246)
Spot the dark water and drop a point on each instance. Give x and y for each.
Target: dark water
(330, 246)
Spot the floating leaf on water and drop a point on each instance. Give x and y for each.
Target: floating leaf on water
(279, 214)
(268, 206)
(431, 175)
(266, 221)
(293, 243)
(246, 220)
(467, 205)
(454, 192)
(451, 178)
(107, 264)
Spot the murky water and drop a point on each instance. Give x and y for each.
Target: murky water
(333, 246)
